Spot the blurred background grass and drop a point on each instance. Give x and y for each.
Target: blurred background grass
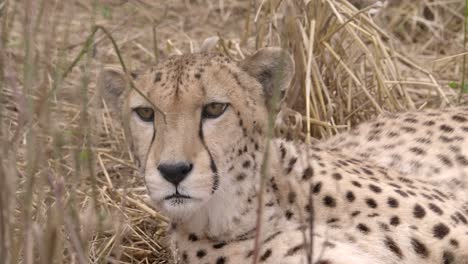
(69, 190)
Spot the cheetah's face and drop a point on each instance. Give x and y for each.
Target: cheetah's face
(197, 110)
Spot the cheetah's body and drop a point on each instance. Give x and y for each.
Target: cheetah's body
(429, 145)
(361, 213)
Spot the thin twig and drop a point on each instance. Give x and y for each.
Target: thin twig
(308, 77)
(465, 39)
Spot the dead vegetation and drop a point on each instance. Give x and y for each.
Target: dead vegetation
(70, 193)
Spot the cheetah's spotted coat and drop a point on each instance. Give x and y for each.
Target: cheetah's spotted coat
(428, 145)
(361, 211)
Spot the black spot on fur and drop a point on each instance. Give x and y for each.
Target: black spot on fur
(283, 151)
(219, 245)
(436, 209)
(375, 188)
(371, 203)
(447, 139)
(440, 193)
(215, 180)
(448, 257)
(446, 128)
(367, 171)
(294, 250)
(410, 120)
(329, 201)
(291, 197)
(424, 141)
(440, 230)
(317, 187)
(201, 253)
(427, 196)
(462, 160)
(392, 246)
(419, 248)
(241, 176)
(288, 214)
(355, 213)
(454, 243)
(402, 193)
(337, 176)
(418, 151)
(461, 217)
(394, 221)
(350, 196)
(445, 160)
(274, 185)
(292, 161)
(272, 237)
(405, 180)
(384, 227)
(221, 260)
(392, 202)
(395, 185)
(408, 129)
(418, 211)
(459, 118)
(429, 123)
(323, 261)
(265, 255)
(363, 228)
(157, 77)
(308, 173)
(193, 237)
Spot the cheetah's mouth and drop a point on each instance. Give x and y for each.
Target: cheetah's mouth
(177, 199)
(177, 196)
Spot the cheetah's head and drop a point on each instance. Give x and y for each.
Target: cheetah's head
(207, 140)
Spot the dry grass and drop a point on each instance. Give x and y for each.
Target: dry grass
(70, 193)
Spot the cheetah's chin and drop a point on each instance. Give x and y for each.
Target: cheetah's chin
(179, 209)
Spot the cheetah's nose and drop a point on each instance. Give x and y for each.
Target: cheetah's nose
(175, 172)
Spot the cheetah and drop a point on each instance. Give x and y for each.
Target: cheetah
(197, 125)
(429, 145)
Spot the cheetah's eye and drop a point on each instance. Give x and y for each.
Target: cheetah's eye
(145, 113)
(213, 110)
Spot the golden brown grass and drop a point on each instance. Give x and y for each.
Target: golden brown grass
(69, 190)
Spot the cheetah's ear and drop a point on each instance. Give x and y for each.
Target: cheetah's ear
(273, 68)
(112, 84)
